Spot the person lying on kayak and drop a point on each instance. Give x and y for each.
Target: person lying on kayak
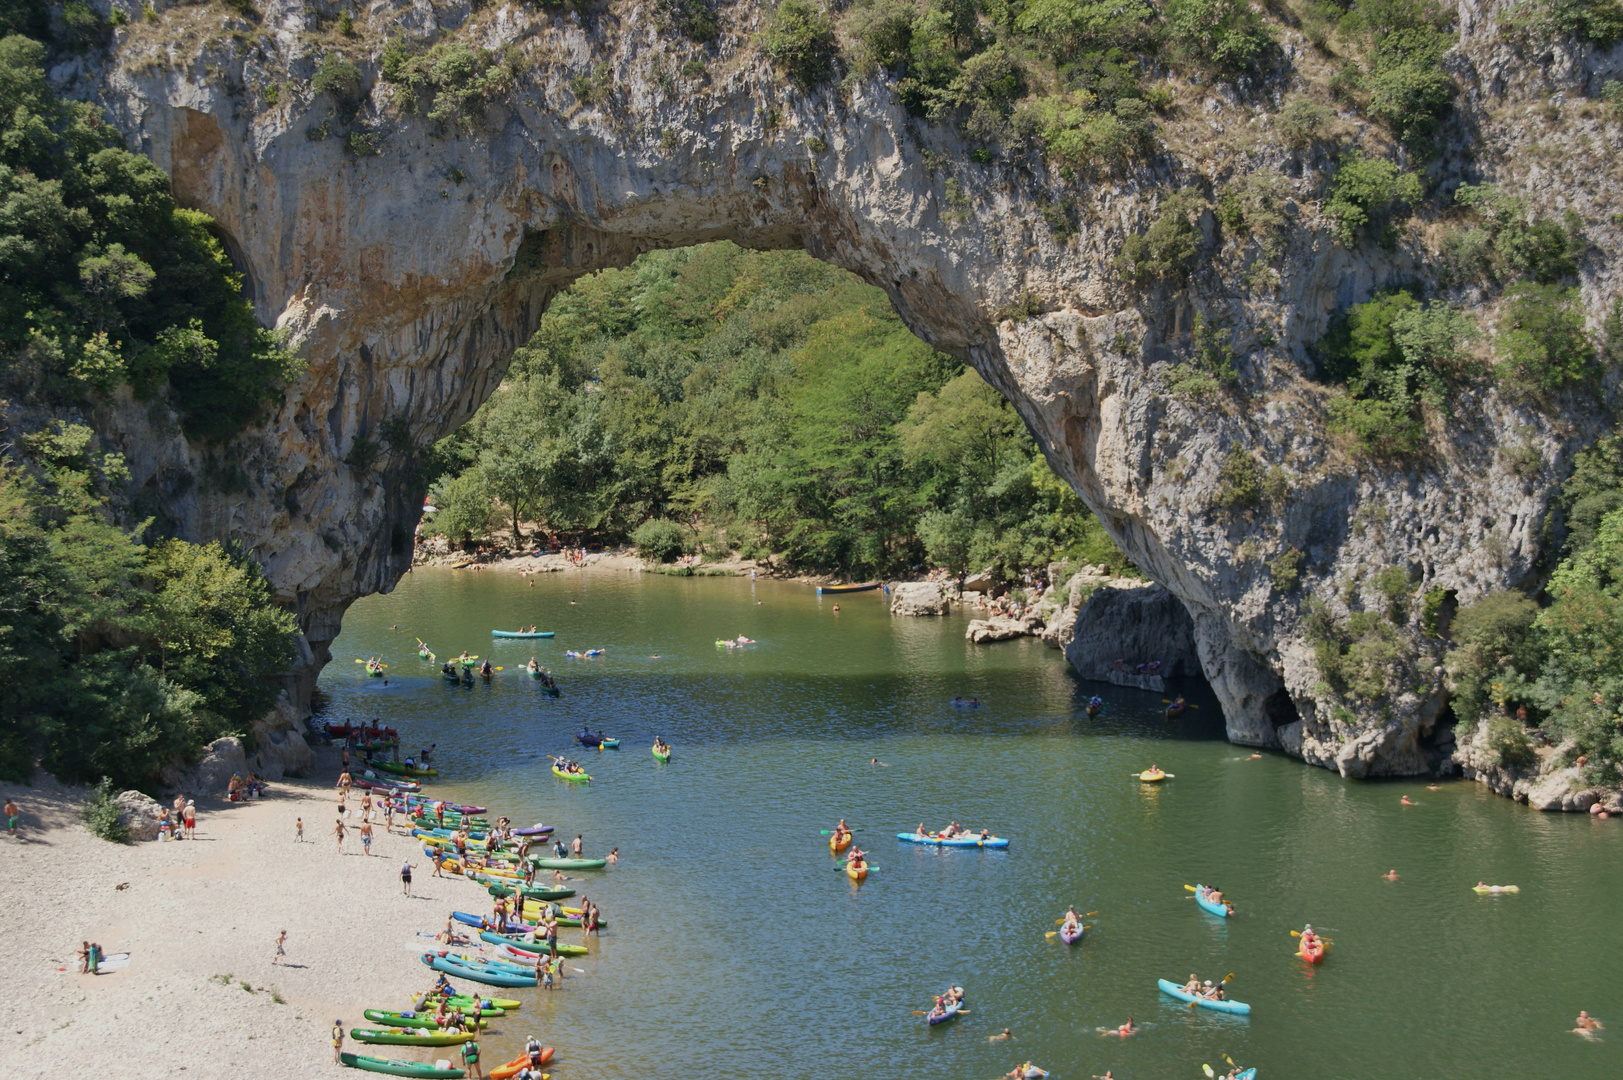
(1028, 1071)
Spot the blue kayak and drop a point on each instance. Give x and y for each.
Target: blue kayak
(514, 634)
(1215, 908)
(957, 841)
(481, 923)
(947, 1014)
(488, 976)
(1206, 1003)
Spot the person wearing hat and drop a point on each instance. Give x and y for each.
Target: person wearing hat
(191, 820)
(470, 1058)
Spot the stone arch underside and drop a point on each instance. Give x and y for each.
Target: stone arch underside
(406, 281)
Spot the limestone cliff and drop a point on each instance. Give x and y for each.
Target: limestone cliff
(406, 257)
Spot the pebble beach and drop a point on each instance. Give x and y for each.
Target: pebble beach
(200, 996)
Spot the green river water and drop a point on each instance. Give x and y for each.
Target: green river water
(736, 949)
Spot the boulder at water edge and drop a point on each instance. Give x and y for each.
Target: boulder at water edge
(213, 770)
(919, 598)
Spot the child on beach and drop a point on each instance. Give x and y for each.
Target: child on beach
(298, 828)
(191, 820)
(281, 951)
(337, 1038)
(13, 816)
(338, 831)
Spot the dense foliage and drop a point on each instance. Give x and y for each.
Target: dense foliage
(722, 398)
(1562, 663)
(103, 280)
(116, 657)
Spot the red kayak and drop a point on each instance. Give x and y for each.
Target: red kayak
(1312, 953)
(370, 731)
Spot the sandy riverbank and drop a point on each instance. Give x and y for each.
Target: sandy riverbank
(200, 919)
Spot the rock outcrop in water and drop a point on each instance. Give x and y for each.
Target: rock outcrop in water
(406, 258)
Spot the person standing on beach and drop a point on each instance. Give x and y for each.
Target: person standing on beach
(191, 820)
(366, 806)
(366, 836)
(298, 830)
(338, 831)
(470, 1058)
(179, 807)
(337, 1039)
(437, 857)
(13, 816)
(281, 947)
(405, 877)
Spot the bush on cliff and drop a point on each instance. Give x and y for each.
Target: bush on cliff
(118, 658)
(800, 40)
(103, 280)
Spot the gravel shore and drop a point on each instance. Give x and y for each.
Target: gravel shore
(200, 997)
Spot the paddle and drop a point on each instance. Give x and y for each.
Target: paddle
(830, 832)
(1208, 1070)
(1187, 704)
(1089, 915)
(1298, 933)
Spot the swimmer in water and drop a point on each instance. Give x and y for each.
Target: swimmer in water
(1405, 801)
(1005, 1035)
(1123, 1031)
(879, 763)
(1390, 875)
(1587, 1025)
(1253, 757)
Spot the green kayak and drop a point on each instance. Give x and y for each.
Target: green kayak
(547, 862)
(398, 1068)
(666, 756)
(392, 1037)
(416, 1019)
(530, 946)
(488, 1006)
(531, 892)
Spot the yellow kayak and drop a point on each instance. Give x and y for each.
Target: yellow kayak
(838, 844)
(856, 873)
(1153, 776)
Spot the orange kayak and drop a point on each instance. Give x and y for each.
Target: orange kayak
(512, 1068)
(1312, 953)
(856, 873)
(837, 843)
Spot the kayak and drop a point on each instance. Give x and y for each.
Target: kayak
(574, 778)
(547, 862)
(488, 1006)
(1213, 907)
(1488, 890)
(1071, 937)
(517, 1065)
(488, 976)
(957, 841)
(1314, 953)
(1154, 776)
(666, 756)
(856, 873)
(531, 892)
(864, 586)
(588, 740)
(518, 634)
(373, 783)
(397, 1068)
(413, 1019)
(537, 829)
(390, 1037)
(1177, 991)
(450, 677)
(450, 808)
(401, 769)
(611, 744)
(530, 948)
(1177, 710)
(839, 843)
(950, 1012)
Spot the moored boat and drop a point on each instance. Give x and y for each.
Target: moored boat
(397, 1068)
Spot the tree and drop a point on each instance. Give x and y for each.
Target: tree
(464, 507)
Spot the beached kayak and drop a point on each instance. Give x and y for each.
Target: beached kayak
(861, 586)
(490, 976)
(414, 1019)
(1177, 991)
(518, 634)
(530, 948)
(517, 1065)
(376, 783)
(957, 841)
(572, 777)
(531, 892)
(391, 1037)
(488, 1006)
(402, 769)
(1072, 935)
(398, 1068)
(666, 756)
(547, 862)
(537, 829)
(857, 873)
(839, 843)
(1215, 907)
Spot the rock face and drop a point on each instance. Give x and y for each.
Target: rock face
(405, 278)
(279, 746)
(919, 598)
(1002, 628)
(1118, 629)
(139, 813)
(212, 772)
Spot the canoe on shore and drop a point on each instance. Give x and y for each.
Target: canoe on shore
(864, 586)
(1174, 990)
(490, 976)
(956, 841)
(413, 1019)
(402, 769)
(531, 892)
(548, 862)
(518, 1064)
(529, 948)
(389, 1037)
(518, 634)
(374, 783)
(397, 1068)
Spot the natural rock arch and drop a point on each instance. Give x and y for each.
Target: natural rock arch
(406, 280)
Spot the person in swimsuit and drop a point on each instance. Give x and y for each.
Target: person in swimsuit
(1390, 875)
(337, 1038)
(281, 947)
(405, 879)
(338, 831)
(13, 817)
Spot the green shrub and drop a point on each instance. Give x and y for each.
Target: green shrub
(881, 32)
(1220, 35)
(1303, 121)
(1526, 243)
(1598, 22)
(1466, 257)
(461, 79)
(1239, 481)
(800, 40)
(1432, 605)
(1365, 195)
(661, 540)
(1394, 586)
(1285, 571)
(337, 78)
(100, 814)
(1166, 250)
(1210, 366)
(1508, 740)
(1542, 343)
(1406, 86)
(1081, 138)
(1495, 652)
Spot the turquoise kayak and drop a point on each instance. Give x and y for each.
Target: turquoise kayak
(398, 1068)
(957, 841)
(514, 634)
(1178, 992)
(548, 862)
(487, 976)
(1215, 908)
